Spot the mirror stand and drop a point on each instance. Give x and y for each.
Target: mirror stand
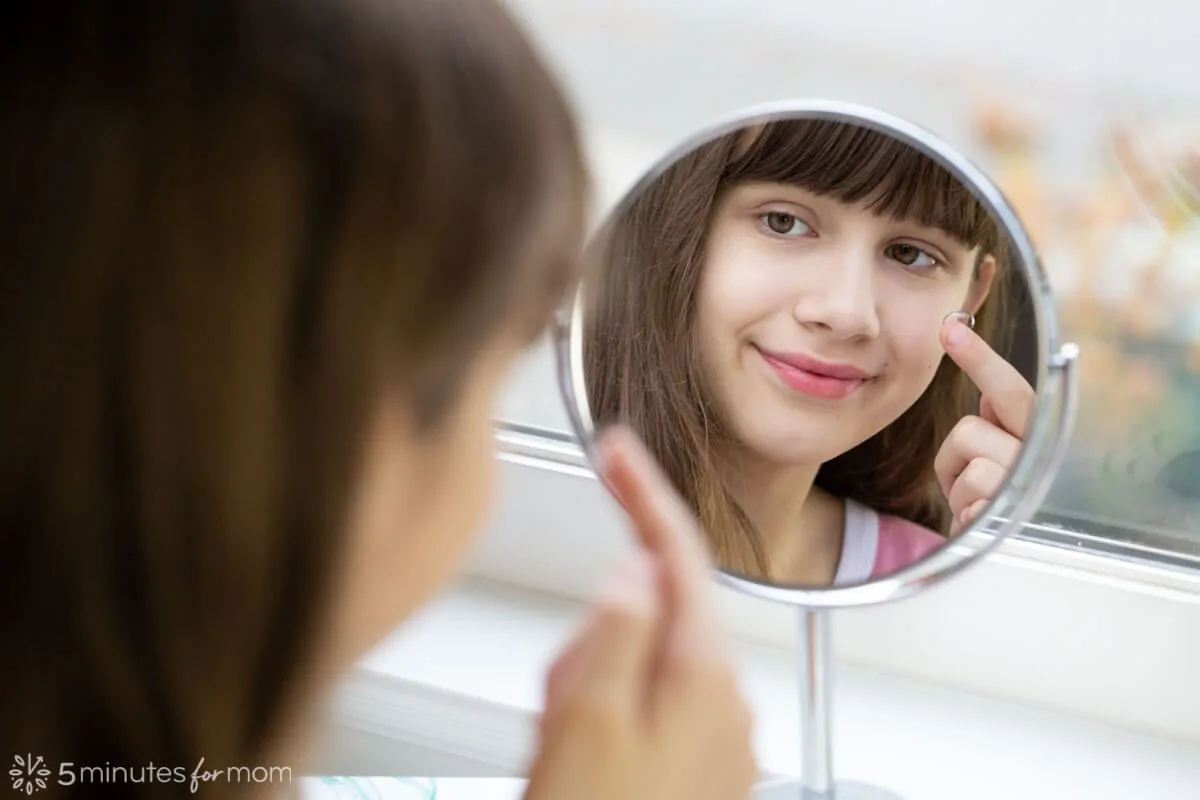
(814, 667)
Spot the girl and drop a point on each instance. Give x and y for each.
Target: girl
(265, 266)
(769, 317)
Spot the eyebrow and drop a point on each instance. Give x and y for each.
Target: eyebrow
(933, 230)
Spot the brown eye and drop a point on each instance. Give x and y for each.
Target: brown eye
(909, 255)
(785, 224)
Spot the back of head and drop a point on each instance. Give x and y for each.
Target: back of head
(227, 228)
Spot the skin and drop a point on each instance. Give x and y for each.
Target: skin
(420, 504)
(791, 271)
(644, 702)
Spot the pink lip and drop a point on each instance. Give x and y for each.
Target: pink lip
(814, 377)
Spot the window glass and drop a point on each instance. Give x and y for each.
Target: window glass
(1078, 110)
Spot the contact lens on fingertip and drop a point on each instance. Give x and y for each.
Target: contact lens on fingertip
(964, 317)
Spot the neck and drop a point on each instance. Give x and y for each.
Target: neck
(800, 524)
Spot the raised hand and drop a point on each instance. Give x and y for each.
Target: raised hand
(977, 456)
(644, 703)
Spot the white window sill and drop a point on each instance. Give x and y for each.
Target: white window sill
(466, 675)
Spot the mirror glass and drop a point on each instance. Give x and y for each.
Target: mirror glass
(825, 336)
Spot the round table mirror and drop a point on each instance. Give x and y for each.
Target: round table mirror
(835, 336)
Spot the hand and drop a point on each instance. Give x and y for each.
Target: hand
(976, 457)
(644, 703)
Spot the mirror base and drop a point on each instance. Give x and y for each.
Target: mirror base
(793, 789)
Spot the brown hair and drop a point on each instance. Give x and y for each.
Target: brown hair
(643, 363)
(229, 230)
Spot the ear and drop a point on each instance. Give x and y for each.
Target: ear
(981, 286)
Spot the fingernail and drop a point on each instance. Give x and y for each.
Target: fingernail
(957, 335)
(606, 444)
(605, 474)
(603, 448)
(609, 432)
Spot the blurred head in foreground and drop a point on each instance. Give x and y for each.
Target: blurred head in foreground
(264, 267)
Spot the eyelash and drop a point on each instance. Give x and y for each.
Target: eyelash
(938, 263)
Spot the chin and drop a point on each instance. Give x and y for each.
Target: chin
(793, 445)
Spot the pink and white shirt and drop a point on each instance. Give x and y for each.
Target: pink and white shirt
(875, 545)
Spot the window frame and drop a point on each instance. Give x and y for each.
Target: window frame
(1056, 537)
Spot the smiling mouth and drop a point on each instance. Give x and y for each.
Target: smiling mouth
(809, 377)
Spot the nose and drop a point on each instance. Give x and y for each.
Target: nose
(840, 297)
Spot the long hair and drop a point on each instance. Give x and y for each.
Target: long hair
(229, 230)
(641, 355)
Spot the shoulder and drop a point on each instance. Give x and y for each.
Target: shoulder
(902, 542)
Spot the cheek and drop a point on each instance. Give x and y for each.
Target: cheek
(486, 473)
(464, 466)
(740, 289)
(913, 338)
(420, 509)
(474, 474)
(460, 486)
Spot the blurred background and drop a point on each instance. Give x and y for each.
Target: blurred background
(1079, 110)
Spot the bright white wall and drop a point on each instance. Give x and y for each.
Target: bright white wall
(1145, 47)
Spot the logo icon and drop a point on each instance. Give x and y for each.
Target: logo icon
(28, 774)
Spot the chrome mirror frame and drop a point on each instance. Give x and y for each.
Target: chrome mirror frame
(1056, 381)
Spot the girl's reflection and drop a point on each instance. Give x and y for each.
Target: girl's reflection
(771, 319)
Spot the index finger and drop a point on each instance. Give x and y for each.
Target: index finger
(1004, 388)
(665, 527)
